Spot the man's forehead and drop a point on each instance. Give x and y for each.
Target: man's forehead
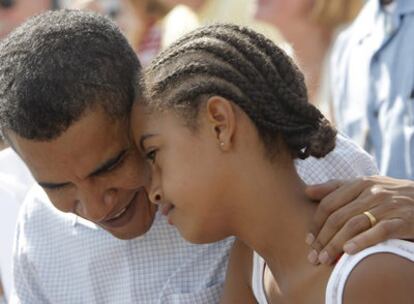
(80, 150)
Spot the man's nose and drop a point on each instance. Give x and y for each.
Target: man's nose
(96, 204)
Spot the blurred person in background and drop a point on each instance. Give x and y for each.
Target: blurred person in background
(110, 8)
(14, 12)
(15, 179)
(144, 29)
(139, 20)
(158, 23)
(373, 81)
(152, 25)
(311, 26)
(209, 11)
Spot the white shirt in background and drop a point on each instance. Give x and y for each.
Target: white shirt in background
(15, 181)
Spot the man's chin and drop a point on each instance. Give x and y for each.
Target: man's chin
(136, 220)
(133, 233)
(137, 228)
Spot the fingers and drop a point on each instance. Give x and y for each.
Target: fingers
(341, 219)
(358, 234)
(339, 222)
(382, 231)
(342, 196)
(334, 247)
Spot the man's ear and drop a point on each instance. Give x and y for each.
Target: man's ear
(222, 118)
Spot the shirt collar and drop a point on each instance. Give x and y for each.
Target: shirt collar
(365, 22)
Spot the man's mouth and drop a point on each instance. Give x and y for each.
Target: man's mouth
(118, 214)
(123, 216)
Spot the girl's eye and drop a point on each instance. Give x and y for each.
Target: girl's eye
(151, 155)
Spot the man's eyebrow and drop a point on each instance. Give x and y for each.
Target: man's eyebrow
(143, 138)
(101, 169)
(108, 164)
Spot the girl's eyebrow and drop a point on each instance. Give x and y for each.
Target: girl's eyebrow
(143, 138)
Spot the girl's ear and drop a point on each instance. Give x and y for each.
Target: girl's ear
(222, 119)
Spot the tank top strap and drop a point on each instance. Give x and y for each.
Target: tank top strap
(257, 279)
(342, 270)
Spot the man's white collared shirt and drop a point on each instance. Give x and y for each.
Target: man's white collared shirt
(60, 258)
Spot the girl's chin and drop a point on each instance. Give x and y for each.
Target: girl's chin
(200, 237)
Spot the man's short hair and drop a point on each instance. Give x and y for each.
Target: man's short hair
(59, 64)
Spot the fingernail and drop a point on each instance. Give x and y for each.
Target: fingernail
(350, 248)
(309, 239)
(313, 257)
(324, 257)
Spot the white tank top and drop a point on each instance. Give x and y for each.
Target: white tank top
(341, 271)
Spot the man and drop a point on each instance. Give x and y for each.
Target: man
(67, 83)
(71, 129)
(373, 93)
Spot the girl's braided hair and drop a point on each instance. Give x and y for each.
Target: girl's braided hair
(248, 69)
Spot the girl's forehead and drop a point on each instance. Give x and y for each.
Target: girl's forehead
(143, 115)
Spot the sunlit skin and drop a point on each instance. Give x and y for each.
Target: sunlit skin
(93, 170)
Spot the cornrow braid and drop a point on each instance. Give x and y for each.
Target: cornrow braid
(215, 48)
(250, 70)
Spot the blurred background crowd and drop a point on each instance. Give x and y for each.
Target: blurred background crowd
(306, 29)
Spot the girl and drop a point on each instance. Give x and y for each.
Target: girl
(232, 140)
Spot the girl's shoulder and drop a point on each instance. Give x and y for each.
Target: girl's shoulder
(383, 273)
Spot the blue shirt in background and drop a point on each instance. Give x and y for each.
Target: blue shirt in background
(373, 84)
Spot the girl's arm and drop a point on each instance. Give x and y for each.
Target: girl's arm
(237, 288)
(381, 278)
